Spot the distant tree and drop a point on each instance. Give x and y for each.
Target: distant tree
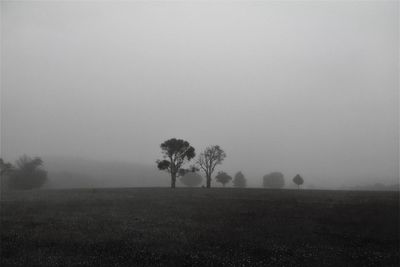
(298, 180)
(5, 167)
(274, 180)
(28, 174)
(239, 180)
(209, 159)
(191, 179)
(223, 178)
(176, 153)
(5, 171)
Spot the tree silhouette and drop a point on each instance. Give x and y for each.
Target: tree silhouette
(298, 180)
(28, 174)
(239, 180)
(5, 167)
(176, 152)
(5, 170)
(274, 180)
(191, 179)
(209, 159)
(223, 178)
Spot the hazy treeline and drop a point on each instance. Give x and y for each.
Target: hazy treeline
(68, 172)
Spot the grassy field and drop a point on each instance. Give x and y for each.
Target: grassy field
(199, 227)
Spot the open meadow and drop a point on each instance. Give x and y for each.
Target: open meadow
(199, 227)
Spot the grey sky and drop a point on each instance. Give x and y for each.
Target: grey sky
(297, 87)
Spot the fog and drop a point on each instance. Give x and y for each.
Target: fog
(295, 87)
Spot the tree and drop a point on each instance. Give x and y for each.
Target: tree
(298, 180)
(239, 180)
(28, 174)
(5, 167)
(5, 170)
(209, 159)
(274, 180)
(176, 152)
(191, 179)
(223, 178)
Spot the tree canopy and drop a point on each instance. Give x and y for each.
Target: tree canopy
(223, 178)
(298, 180)
(176, 153)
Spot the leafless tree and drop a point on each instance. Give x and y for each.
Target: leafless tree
(209, 159)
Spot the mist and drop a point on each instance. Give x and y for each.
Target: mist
(295, 87)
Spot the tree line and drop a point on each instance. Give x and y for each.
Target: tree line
(28, 173)
(177, 153)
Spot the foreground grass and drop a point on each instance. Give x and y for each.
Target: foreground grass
(199, 227)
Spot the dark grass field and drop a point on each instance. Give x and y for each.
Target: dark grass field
(199, 227)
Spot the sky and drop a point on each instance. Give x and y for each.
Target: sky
(290, 86)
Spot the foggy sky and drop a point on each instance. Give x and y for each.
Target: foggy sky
(296, 87)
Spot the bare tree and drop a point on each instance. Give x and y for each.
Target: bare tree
(209, 159)
(176, 152)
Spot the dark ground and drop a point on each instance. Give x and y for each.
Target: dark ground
(199, 227)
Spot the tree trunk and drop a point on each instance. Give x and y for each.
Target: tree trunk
(173, 180)
(208, 181)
